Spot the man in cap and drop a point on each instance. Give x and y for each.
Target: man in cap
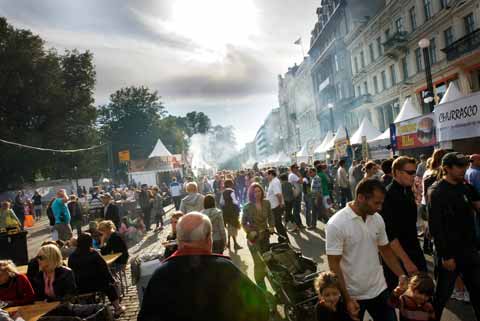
(452, 204)
(194, 284)
(111, 212)
(472, 176)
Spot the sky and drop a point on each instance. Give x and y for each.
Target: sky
(221, 57)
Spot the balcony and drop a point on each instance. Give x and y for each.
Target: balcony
(463, 45)
(363, 99)
(396, 44)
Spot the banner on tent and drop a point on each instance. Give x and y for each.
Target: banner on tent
(341, 148)
(458, 119)
(416, 132)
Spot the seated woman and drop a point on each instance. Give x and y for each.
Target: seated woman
(170, 244)
(33, 268)
(54, 282)
(111, 242)
(15, 289)
(92, 273)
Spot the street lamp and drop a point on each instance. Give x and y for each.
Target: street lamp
(75, 169)
(332, 120)
(428, 95)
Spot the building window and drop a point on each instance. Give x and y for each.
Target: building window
(372, 52)
(418, 59)
(384, 79)
(433, 51)
(339, 91)
(399, 24)
(381, 119)
(413, 18)
(448, 34)
(359, 91)
(469, 24)
(355, 64)
(405, 68)
(365, 87)
(362, 59)
(443, 4)
(427, 8)
(375, 84)
(387, 34)
(337, 63)
(393, 75)
(379, 46)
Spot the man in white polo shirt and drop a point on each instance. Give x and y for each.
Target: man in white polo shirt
(275, 196)
(355, 235)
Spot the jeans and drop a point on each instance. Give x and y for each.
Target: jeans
(277, 216)
(345, 196)
(146, 218)
(468, 268)
(288, 212)
(312, 215)
(378, 308)
(296, 209)
(176, 201)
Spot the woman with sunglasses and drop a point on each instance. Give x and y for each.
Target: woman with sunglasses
(170, 244)
(54, 282)
(15, 288)
(400, 215)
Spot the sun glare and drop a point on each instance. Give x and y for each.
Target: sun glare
(214, 24)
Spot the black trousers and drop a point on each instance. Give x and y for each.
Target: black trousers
(176, 201)
(146, 218)
(468, 268)
(277, 216)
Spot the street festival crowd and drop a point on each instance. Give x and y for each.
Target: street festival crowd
(381, 220)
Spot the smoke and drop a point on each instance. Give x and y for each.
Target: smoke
(212, 150)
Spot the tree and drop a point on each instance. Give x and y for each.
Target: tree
(197, 123)
(130, 121)
(46, 100)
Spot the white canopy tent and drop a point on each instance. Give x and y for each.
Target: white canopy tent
(282, 159)
(160, 150)
(408, 111)
(304, 151)
(340, 134)
(326, 140)
(452, 93)
(383, 136)
(366, 129)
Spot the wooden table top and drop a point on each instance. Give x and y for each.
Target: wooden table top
(33, 312)
(109, 258)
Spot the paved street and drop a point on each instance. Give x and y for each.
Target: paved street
(312, 244)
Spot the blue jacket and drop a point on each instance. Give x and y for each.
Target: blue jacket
(61, 212)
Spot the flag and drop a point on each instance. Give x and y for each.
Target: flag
(298, 41)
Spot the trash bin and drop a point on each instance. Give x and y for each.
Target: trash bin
(14, 247)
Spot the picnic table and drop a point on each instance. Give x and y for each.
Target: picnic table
(33, 312)
(109, 258)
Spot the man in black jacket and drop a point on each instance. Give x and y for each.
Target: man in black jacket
(194, 284)
(111, 212)
(400, 215)
(451, 206)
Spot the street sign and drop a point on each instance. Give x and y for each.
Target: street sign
(124, 155)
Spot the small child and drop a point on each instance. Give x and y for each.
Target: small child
(413, 297)
(330, 305)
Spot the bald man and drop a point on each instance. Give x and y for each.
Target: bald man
(194, 284)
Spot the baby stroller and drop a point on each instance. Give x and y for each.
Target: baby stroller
(292, 276)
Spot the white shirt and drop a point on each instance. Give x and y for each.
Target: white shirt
(293, 179)
(274, 188)
(357, 242)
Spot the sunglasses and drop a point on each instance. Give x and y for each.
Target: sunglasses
(411, 173)
(41, 257)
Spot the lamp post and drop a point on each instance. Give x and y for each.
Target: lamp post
(75, 169)
(332, 120)
(428, 97)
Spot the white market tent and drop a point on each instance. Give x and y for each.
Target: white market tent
(282, 159)
(160, 150)
(326, 140)
(408, 111)
(366, 129)
(304, 151)
(340, 134)
(452, 93)
(384, 136)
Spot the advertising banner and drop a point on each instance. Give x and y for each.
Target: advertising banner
(365, 155)
(458, 119)
(341, 148)
(124, 155)
(416, 132)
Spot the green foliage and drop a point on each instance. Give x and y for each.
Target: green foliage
(46, 99)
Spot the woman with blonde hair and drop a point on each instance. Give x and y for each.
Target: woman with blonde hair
(15, 288)
(54, 281)
(193, 202)
(111, 242)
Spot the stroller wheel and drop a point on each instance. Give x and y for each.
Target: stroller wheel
(290, 313)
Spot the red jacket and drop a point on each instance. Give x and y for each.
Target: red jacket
(18, 291)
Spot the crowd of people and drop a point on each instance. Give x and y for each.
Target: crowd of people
(375, 214)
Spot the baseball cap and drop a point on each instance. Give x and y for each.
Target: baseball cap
(454, 159)
(474, 157)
